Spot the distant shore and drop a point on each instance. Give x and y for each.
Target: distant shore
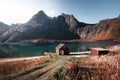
(50, 40)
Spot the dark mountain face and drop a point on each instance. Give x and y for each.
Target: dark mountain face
(63, 27)
(39, 18)
(3, 28)
(3, 25)
(40, 26)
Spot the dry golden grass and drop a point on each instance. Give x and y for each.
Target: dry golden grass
(94, 68)
(115, 48)
(7, 68)
(101, 36)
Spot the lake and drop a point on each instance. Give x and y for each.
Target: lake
(20, 50)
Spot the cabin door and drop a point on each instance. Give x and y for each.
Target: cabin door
(62, 52)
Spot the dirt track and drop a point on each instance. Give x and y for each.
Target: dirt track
(44, 73)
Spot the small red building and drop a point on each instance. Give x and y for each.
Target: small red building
(62, 49)
(98, 51)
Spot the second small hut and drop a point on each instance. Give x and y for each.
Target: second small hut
(99, 51)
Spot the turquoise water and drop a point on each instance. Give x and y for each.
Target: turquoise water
(18, 50)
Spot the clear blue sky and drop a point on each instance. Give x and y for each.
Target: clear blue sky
(90, 11)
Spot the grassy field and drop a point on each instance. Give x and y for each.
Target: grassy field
(8, 68)
(115, 48)
(32, 69)
(71, 68)
(92, 68)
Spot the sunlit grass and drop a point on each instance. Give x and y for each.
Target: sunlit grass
(42, 63)
(92, 68)
(7, 68)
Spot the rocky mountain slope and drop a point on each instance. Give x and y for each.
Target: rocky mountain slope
(63, 27)
(108, 29)
(40, 26)
(3, 27)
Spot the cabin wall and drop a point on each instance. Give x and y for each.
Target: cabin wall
(57, 52)
(66, 50)
(94, 52)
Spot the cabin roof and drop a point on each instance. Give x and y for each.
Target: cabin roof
(100, 49)
(60, 46)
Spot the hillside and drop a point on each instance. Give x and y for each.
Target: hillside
(64, 27)
(3, 28)
(108, 29)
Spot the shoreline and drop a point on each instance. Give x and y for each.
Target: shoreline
(26, 42)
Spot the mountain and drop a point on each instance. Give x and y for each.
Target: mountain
(64, 27)
(3, 28)
(41, 26)
(3, 25)
(108, 29)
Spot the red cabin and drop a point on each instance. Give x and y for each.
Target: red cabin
(62, 49)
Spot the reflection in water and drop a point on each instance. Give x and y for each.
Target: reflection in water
(18, 50)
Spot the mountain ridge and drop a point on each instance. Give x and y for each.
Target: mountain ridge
(64, 27)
